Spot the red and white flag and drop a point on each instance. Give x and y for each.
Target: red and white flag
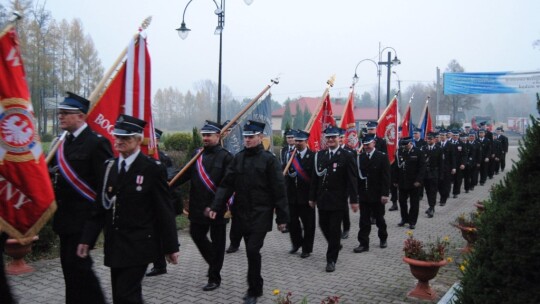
(348, 123)
(388, 128)
(128, 93)
(324, 118)
(406, 125)
(26, 193)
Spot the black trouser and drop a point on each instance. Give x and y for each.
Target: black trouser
(467, 177)
(254, 241)
(126, 284)
(346, 221)
(306, 214)
(483, 171)
(394, 193)
(368, 210)
(496, 165)
(409, 215)
(82, 285)
(458, 181)
(491, 167)
(445, 184)
(503, 161)
(235, 234)
(5, 290)
(159, 262)
(330, 224)
(431, 185)
(213, 250)
(475, 171)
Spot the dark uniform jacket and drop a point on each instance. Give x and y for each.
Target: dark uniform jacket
(215, 161)
(334, 180)
(143, 210)
(485, 148)
(460, 153)
(297, 186)
(419, 143)
(504, 142)
(284, 155)
(374, 177)
(448, 158)
(409, 167)
(86, 156)
(497, 147)
(473, 155)
(380, 145)
(255, 176)
(433, 158)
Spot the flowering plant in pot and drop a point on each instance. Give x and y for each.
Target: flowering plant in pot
(424, 260)
(467, 225)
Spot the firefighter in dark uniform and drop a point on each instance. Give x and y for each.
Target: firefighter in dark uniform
(373, 189)
(417, 141)
(134, 207)
(84, 153)
(256, 178)
(333, 183)
(433, 158)
(460, 155)
(448, 168)
(504, 146)
(297, 182)
(380, 145)
(485, 155)
(497, 152)
(285, 154)
(204, 176)
(160, 265)
(473, 161)
(409, 170)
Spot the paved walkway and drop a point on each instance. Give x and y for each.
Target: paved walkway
(377, 276)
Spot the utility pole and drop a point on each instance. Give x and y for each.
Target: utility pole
(438, 94)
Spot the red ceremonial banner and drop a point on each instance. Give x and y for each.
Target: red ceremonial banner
(26, 193)
(406, 126)
(387, 128)
(348, 123)
(129, 93)
(325, 118)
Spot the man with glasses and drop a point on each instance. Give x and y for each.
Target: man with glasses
(134, 207)
(256, 178)
(332, 185)
(204, 177)
(83, 153)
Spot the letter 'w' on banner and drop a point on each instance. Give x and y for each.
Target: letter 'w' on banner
(128, 93)
(26, 195)
(348, 123)
(388, 129)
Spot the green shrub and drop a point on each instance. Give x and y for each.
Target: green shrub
(176, 141)
(47, 137)
(278, 140)
(504, 266)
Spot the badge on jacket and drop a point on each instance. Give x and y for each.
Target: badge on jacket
(139, 182)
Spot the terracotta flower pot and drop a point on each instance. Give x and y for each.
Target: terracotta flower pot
(480, 207)
(17, 252)
(423, 271)
(470, 234)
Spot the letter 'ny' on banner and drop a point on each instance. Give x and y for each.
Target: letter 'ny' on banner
(26, 194)
(128, 93)
(388, 129)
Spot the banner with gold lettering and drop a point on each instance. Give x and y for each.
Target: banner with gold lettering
(26, 193)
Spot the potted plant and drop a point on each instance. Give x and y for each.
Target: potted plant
(17, 251)
(424, 260)
(467, 225)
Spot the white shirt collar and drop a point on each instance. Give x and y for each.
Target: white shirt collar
(129, 160)
(333, 151)
(79, 130)
(302, 153)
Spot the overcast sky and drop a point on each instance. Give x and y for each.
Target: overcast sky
(306, 41)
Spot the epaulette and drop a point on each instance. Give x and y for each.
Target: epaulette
(109, 160)
(153, 160)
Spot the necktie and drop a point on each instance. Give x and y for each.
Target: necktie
(369, 155)
(122, 172)
(331, 155)
(69, 138)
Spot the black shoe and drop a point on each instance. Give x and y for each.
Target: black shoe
(442, 204)
(412, 226)
(305, 255)
(250, 300)
(231, 249)
(330, 267)
(286, 230)
(383, 244)
(345, 234)
(430, 212)
(472, 189)
(294, 249)
(427, 210)
(401, 224)
(481, 184)
(466, 191)
(373, 221)
(156, 271)
(360, 249)
(340, 247)
(393, 208)
(210, 286)
(454, 196)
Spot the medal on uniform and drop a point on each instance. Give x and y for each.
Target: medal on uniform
(109, 189)
(139, 182)
(335, 166)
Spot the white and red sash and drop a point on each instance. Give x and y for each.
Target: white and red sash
(207, 181)
(298, 167)
(71, 177)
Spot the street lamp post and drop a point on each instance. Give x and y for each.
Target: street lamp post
(388, 64)
(355, 79)
(183, 32)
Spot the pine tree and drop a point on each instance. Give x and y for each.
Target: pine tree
(298, 118)
(287, 117)
(505, 266)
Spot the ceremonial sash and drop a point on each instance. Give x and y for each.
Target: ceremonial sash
(205, 178)
(298, 168)
(71, 177)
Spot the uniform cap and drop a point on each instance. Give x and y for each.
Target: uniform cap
(74, 102)
(405, 141)
(128, 125)
(301, 135)
(371, 124)
(253, 128)
(289, 133)
(211, 127)
(331, 131)
(368, 138)
(158, 133)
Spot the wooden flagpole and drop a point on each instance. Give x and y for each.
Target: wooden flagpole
(11, 23)
(423, 112)
(309, 125)
(99, 88)
(226, 127)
